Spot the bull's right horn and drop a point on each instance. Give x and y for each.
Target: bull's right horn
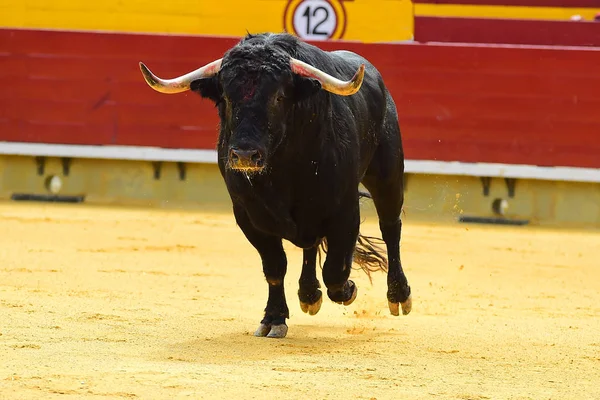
(328, 82)
(182, 83)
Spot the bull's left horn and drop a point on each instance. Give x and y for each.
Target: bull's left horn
(328, 82)
(182, 83)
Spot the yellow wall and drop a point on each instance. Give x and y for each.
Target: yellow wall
(367, 20)
(436, 198)
(449, 10)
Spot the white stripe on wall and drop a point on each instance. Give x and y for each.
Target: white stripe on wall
(145, 153)
(503, 170)
(140, 153)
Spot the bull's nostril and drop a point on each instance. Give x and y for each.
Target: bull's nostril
(256, 157)
(245, 158)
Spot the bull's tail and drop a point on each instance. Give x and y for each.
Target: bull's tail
(368, 253)
(369, 256)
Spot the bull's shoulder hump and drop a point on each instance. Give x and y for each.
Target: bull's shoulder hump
(348, 55)
(351, 58)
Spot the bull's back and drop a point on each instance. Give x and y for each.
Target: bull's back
(371, 100)
(349, 64)
(369, 105)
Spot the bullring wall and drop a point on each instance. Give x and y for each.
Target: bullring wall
(494, 104)
(465, 109)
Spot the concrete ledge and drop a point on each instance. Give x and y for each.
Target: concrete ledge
(137, 153)
(142, 153)
(570, 174)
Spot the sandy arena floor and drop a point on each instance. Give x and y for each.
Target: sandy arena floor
(106, 303)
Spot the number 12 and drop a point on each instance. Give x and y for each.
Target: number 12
(307, 14)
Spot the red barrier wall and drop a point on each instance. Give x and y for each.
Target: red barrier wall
(505, 104)
(507, 31)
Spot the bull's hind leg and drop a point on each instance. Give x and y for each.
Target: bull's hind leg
(385, 181)
(274, 264)
(388, 197)
(309, 294)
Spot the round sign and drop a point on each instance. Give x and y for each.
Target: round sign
(315, 19)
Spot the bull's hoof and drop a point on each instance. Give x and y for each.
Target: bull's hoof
(272, 328)
(263, 330)
(350, 291)
(395, 307)
(353, 297)
(278, 331)
(312, 309)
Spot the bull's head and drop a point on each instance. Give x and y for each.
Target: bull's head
(254, 94)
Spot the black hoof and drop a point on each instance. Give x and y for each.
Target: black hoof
(278, 331)
(262, 330)
(345, 296)
(395, 307)
(312, 309)
(272, 328)
(311, 304)
(399, 297)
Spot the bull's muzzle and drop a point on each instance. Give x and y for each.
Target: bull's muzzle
(246, 160)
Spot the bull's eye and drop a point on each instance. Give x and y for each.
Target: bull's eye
(279, 99)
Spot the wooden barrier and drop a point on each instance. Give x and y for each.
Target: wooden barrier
(508, 9)
(525, 105)
(507, 31)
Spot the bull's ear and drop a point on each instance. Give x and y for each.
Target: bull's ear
(207, 88)
(305, 87)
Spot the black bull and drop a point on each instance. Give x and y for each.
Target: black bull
(294, 144)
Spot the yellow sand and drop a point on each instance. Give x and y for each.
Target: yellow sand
(107, 303)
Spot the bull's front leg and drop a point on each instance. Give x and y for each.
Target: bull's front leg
(341, 242)
(274, 263)
(309, 293)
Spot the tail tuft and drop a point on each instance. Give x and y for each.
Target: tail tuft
(367, 254)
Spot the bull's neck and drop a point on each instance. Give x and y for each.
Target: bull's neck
(309, 130)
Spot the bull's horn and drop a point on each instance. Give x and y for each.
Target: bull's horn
(328, 82)
(182, 83)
